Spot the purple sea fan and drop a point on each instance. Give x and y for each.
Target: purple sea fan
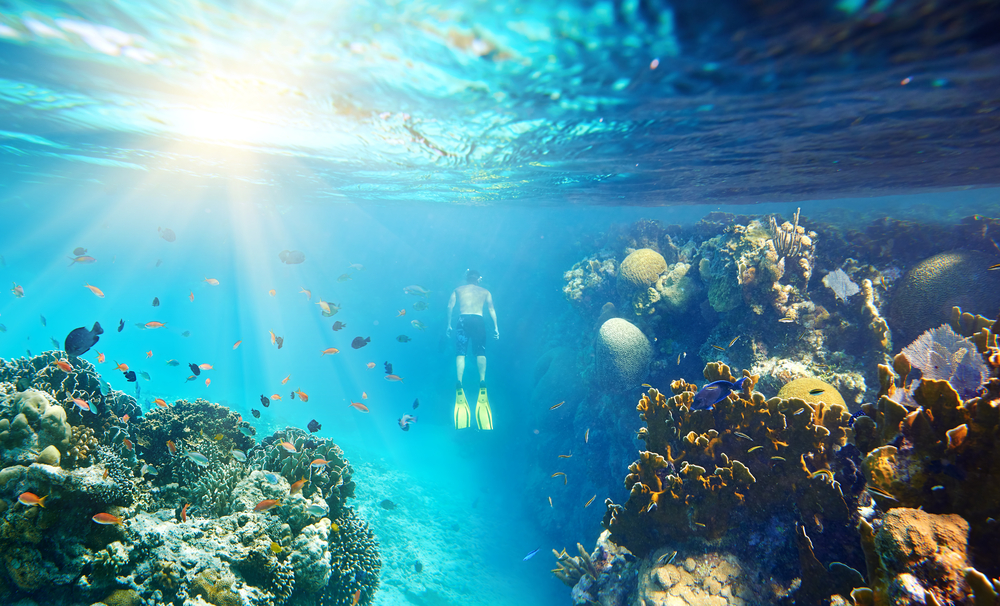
(942, 354)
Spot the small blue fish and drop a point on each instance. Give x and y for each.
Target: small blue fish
(271, 477)
(715, 392)
(531, 555)
(854, 417)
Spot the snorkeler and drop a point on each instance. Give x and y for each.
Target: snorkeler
(471, 298)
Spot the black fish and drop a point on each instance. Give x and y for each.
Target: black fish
(403, 339)
(194, 368)
(121, 325)
(130, 376)
(338, 325)
(359, 342)
(156, 301)
(280, 341)
(418, 567)
(43, 319)
(293, 395)
(264, 401)
(186, 333)
(416, 403)
(314, 426)
(387, 504)
(80, 340)
(388, 368)
(79, 250)
(255, 413)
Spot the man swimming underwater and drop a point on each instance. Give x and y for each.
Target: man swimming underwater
(471, 297)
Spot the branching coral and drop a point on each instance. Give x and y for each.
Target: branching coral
(354, 562)
(333, 481)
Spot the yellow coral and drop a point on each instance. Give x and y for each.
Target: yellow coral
(808, 389)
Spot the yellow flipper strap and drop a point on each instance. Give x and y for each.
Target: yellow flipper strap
(484, 416)
(463, 416)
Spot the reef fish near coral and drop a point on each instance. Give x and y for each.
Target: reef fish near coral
(715, 392)
(80, 340)
(314, 426)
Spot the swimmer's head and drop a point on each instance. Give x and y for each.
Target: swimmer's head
(472, 276)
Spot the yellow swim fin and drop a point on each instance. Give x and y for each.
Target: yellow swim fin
(484, 416)
(463, 416)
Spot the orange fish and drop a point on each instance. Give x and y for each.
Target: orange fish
(208, 382)
(81, 404)
(393, 378)
(64, 365)
(128, 444)
(308, 293)
(160, 402)
(266, 504)
(285, 380)
(356, 598)
(211, 281)
(402, 312)
(288, 446)
(331, 350)
(95, 290)
(31, 499)
(121, 367)
(319, 463)
(125, 419)
(359, 406)
(155, 324)
(371, 365)
(273, 338)
(106, 519)
(106, 472)
(205, 366)
(100, 358)
(184, 510)
(149, 354)
(364, 395)
(297, 487)
(237, 344)
(272, 292)
(324, 306)
(275, 396)
(302, 395)
(191, 296)
(171, 447)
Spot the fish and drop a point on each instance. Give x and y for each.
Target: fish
(754, 448)
(416, 403)
(280, 340)
(237, 344)
(285, 380)
(171, 447)
(247, 430)
(420, 305)
(31, 499)
(531, 554)
(211, 281)
(186, 333)
(83, 259)
(274, 339)
(218, 437)
(54, 342)
(993, 267)
(167, 234)
(191, 296)
(149, 469)
(403, 339)
(205, 367)
(719, 348)
(879, 493)
(343, 277)
(128, 444)
(736, 338)
(183, 514)
(817, 391)
(275, 547)
(550, 502)
(338, 325)
(190, 378)
(199, 459)
(786, 320)
(273, 478)
(97, 291)
(121, 325)
(100, 358)
(107, 519)
(405, 420)
(413, 289)
(4, 329)
(125, 419)
(149, 354)
(569, 456)
(713, 393)
(264, 401)
(288, 446)
(291, 257)
(156, 301)
(154, 324)
(418, 324)
(42, 318)
(319, 463)
(359, 406)
(308, 293)
(565, 477)
(81, 404)
(401, 312)
(272, 292)
(194, 368)
(370, 365)
(360, 342)
(158, 261)
(388, 368)
(130, 376)
(356, 266)
(266, 504)
(316, 510)
(555, 406)
(173, 363)
(275, 396)
(740, 434)
(79, 250)
(590, 501)
(329, 350)
(208, 382)
(18, 290)
(393, 378)
(356, 597)
(255, 413)
(160, 402)
(80, 340)
(297, 486)
(314, 426)
(302, 395)
(854, 416)
(387, 504)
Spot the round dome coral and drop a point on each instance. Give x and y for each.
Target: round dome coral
(639, 271)
(804, 387)
(623, 355)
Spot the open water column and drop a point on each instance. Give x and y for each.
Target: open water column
(617, 303)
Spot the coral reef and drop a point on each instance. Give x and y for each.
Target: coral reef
(623, 355)
(30, 422)
(591, 281)
(811, 390)
(637, 276)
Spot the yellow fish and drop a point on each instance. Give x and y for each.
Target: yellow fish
(275, 547)
(218, 437)
(334, 527)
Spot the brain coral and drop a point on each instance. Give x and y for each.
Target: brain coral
(639, 271)
(804, 388)
(623, 355)
(927, 293)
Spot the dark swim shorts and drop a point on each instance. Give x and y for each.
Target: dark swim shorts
(471, 328)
